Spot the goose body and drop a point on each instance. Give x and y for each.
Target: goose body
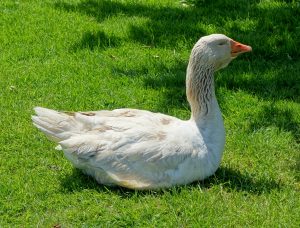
(143, 150)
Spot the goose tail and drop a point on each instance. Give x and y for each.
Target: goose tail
(57, 126)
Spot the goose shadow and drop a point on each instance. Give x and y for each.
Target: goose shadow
(234, 180)
(229, 179)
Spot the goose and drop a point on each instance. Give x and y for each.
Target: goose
(139, 149)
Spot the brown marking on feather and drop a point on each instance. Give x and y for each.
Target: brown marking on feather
(128, 113)
(161, 135)
(165, 121)
(70, 113)
(103, 128)
(88, 113)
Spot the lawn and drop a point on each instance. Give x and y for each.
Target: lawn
(92, 54)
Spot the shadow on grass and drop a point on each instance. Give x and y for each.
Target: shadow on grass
(230, 180)
(271, 29)
(234, 180)
(266, 79)
(297, 168)
(97, 40)
(281, 117)
(160, 30)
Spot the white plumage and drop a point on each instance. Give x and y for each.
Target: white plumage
(143, 150)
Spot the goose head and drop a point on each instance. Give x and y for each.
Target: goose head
(217, 51)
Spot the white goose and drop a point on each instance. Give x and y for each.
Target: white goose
(143, 150)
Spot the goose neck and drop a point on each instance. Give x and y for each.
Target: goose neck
(200, 90)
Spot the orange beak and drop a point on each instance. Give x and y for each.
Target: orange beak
(238, 48)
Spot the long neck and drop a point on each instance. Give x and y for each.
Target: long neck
(200, 89)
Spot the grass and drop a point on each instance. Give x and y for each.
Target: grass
(92, 55)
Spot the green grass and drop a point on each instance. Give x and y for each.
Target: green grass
(92, 55)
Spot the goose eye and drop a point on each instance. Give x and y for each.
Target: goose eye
(222, 43)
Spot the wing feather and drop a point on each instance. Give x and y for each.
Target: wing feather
(137, 163)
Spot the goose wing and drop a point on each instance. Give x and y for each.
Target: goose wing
(127, 147)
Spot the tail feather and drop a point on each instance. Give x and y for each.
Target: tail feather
(57, 126)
